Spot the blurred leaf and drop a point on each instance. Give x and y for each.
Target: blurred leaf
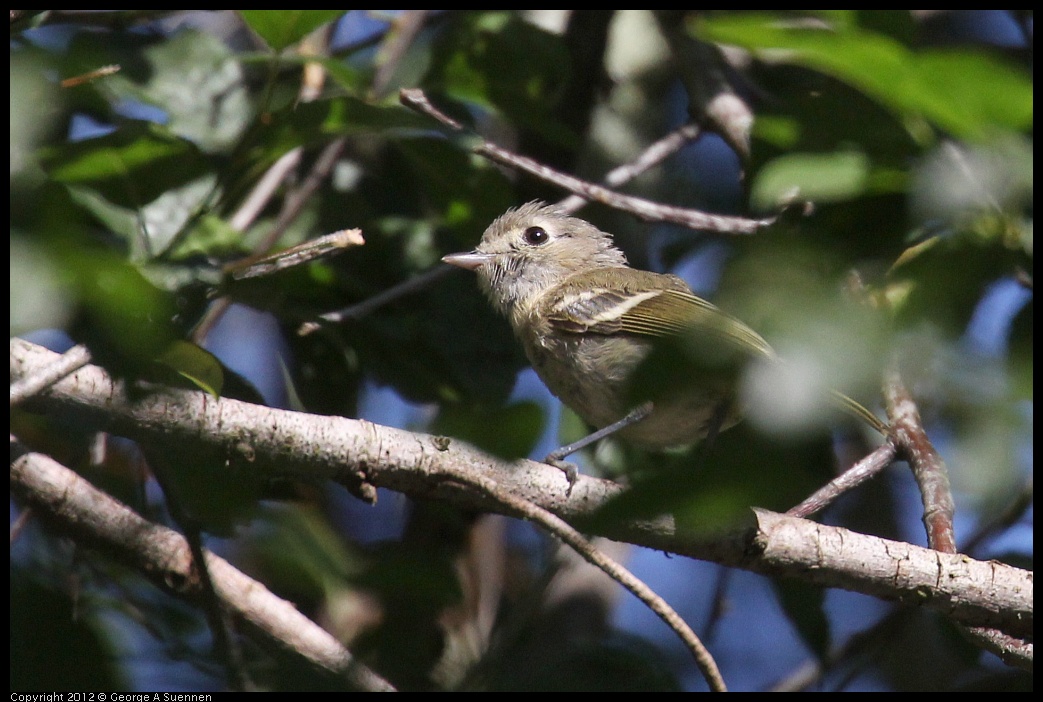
(508, 432)
(201, 86)
(709, 490)
(281, 28)
(56, 634)
(131, 167)
(195, 364)
(193, 78)
(815, 177)
(215, 489)
(620, 664)
(302, 554)
(125, 320)
(347, 77)
(941, 279)
(966, 185)
(315, 122)
(487, 59)
(967, 93)
(209, 236)
(37, 297)
(792, 293)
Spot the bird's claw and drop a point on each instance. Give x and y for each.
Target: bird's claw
(569, 469)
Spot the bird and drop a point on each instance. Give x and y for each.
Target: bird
(590, 325)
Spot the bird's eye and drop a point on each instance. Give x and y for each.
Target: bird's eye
(536, 236)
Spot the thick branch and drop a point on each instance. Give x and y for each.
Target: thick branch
(88, 515)
(278, 442)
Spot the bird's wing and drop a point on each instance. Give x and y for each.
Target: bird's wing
(646, 304)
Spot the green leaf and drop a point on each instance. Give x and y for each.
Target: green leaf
(316, 122)
(125, 320)
(967, 93)
(815, 177)
(487, 59)
(201, 86)
(301, 553)
(281, 28)
(508, 432)
(131, 167)
(193, 78)
(710, 489)
(348, 77)
(56, 632)
(219, 490)
(197, 365)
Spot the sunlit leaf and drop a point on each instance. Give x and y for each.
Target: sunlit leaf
(966, 92)
(280, 28)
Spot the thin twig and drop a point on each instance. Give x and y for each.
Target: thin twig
(305, 252)
(927, 466)
(653, 155)
(265, 189)
(1006, 518)
(20, 522)
(851, 478)
(361, 309)
(637, 206)
(933, 478)
(564, 531)
(214, 608)
(640, 207)
(294, 205)
(712, 99)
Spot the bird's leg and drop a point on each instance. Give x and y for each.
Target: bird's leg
(556, 457)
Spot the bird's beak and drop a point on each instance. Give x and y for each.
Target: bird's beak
(472, 260)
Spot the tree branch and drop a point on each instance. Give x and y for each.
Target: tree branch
(638, 206)
(88, 515)
(357, 452)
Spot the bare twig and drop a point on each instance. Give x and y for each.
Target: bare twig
(1006, 518)
(20, 523)
(927, 466)
(637, 206)
(712, 99)
(655, 154)
(294, 204)
(216, 610)
(310, 250)
(265, 189)
(361, 309)
(851, 478)
(89, 76)
(640, 207)
(933, 478)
